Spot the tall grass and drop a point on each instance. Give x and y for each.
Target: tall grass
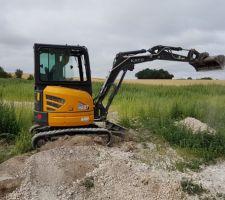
(17, 89)
(16, 95)
(15, 120)
(25, 118)
(9, 126)
(156, 108)
(207, 103)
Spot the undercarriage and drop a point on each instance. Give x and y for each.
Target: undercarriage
(43, 134)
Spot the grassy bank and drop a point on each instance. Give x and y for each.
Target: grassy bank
(152, 109)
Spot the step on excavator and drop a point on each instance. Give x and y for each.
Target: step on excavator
(63, 89)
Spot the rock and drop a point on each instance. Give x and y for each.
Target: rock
(71, 151)
(145, 181)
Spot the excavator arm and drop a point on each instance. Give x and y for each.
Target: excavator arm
(125, 61)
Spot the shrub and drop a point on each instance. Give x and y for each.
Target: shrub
(30, 77)
(19, 73)
(192, 188)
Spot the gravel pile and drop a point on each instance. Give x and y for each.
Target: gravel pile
(93, 172)
(195, 125)
(118, 176)
(77, 169)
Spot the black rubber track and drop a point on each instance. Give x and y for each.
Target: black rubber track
(47, 135)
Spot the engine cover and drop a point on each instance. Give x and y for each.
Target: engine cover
(67, 107)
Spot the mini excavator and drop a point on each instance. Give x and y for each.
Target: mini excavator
(63, 89)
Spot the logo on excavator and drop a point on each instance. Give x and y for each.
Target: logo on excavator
(137, 60)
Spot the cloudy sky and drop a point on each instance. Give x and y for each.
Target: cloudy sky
(107, 27)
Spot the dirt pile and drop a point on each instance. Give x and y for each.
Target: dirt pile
(77, 168)
(196, 125)
(94, 172)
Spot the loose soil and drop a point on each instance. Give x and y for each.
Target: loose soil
(81, 168)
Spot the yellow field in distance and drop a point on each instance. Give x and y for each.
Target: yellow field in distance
(168, 82)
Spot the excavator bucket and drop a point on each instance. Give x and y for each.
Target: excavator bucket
(206, 62)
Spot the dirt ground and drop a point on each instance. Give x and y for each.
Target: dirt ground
(78, 168)
(88, 171)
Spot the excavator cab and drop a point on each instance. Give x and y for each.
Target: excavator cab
(63, 90)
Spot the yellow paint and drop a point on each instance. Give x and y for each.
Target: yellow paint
(70, 119)
(67, 113)
(38, 96)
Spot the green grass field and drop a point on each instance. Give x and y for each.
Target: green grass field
(152, 108)
(16, 89)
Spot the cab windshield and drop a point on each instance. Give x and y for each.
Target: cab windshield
(62, 65)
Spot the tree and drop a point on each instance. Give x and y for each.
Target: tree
(19, 73)
(153, 74)
(189, 78)
(30, 77)
(4, 74)
(206, 78)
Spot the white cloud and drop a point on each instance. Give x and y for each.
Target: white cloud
(108, 27)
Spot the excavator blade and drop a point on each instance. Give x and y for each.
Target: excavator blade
(209, 63)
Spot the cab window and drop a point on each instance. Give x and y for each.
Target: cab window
(62, 65)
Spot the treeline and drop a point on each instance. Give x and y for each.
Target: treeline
(153, 74)
(204, 78)
(161, 74)
(18, 74)
(4, 74)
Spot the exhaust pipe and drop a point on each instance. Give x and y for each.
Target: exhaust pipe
(204, 62)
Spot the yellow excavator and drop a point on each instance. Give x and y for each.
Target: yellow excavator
(63, 89)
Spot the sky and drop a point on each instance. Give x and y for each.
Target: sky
(107, 27)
